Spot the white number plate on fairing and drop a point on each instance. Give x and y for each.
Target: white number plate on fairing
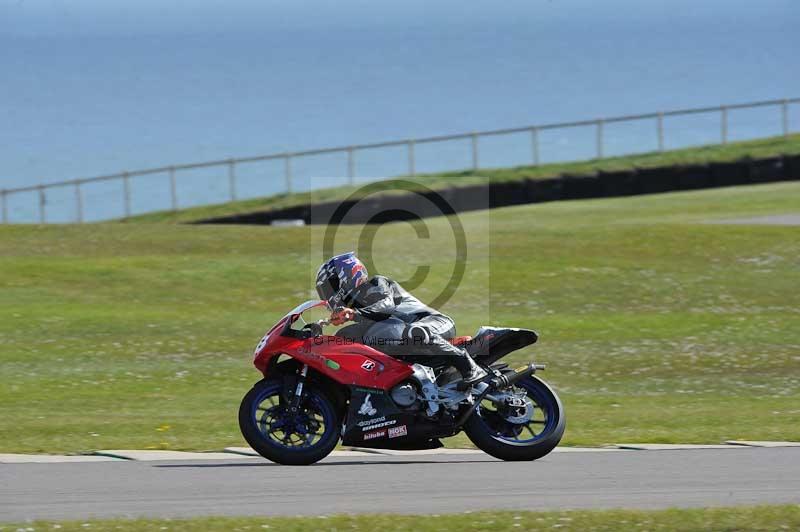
(261, 344)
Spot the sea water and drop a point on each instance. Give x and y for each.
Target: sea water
(91, 89)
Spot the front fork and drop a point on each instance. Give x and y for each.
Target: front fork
(298, 390)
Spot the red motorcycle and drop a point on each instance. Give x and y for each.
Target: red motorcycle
(319, 389)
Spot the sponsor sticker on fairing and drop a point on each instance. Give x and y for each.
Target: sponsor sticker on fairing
(366, 408)
(396, 432)
(375, 434)
(378, 425)
(373, 421)
(371, 391)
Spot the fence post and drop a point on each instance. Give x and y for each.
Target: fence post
(660, 130)
(126, 190)
(78, 202)
(3, 195)
(723, 124)
(351, 166)
(173, 189)
(42, 202)
(412, 166)
(535, 145)
(600, 139)
(785, 117)
(232, 178)
(287, 167)
(474, 151)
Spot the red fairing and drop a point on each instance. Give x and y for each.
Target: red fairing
(344, 361)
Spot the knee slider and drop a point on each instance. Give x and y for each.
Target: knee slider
(418, 335)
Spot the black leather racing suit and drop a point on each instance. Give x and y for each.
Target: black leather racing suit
(390, 319)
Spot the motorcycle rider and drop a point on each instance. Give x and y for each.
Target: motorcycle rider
(387, 316)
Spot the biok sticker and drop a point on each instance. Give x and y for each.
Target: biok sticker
(368, 365)
(396, 432)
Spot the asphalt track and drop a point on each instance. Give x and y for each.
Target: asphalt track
(401, 484)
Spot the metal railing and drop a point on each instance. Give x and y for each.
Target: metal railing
(474, 137)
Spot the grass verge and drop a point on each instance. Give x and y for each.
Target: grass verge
(768, 147)
(785, 517)
(656, 325)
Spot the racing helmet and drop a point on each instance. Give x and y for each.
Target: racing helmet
(338, 277)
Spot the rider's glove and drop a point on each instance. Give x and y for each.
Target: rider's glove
(342, 315)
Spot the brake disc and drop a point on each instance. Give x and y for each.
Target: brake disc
(520, 410)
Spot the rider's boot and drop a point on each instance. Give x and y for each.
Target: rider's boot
(436, 345)
(470, 371)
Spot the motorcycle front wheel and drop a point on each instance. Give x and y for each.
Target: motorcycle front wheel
(291, 438)
(518, 433)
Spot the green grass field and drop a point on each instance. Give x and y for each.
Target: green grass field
(656, 326)
(768, 147)
(785, 517)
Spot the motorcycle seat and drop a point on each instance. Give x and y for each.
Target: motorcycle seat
(491, 343)
(460, 341)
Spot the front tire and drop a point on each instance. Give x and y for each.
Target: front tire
(275, 433)
(492, 433)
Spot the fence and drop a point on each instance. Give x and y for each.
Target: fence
(170, 172)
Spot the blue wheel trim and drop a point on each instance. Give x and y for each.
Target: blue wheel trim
(541, 401)
(328, 417)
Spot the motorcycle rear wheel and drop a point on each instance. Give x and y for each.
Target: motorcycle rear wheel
(299, 438)
(488, 429)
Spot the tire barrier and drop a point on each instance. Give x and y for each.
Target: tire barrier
(391, 207)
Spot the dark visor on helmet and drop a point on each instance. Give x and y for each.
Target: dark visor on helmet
(328, 288)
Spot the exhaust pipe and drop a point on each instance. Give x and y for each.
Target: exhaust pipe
(504, 381)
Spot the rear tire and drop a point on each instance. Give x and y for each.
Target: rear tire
(259, 418)
(495, 438)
